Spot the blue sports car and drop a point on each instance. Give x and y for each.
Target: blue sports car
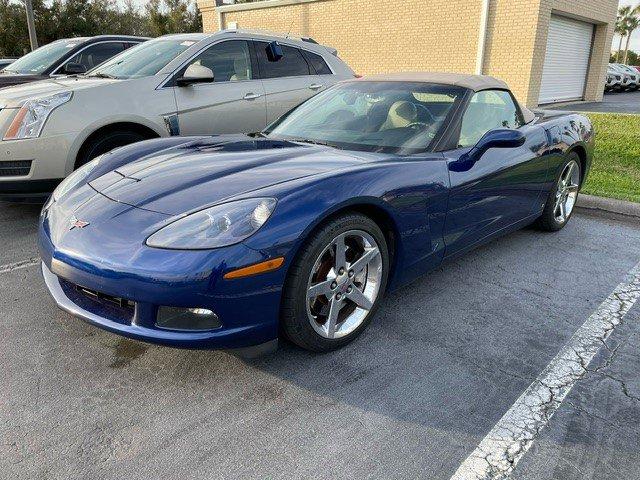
(232, 241)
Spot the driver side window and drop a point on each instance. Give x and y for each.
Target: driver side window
(229, 61)
(488, 110)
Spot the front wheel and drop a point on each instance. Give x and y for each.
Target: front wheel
(106, 142)
(562, 198)
(336, 284)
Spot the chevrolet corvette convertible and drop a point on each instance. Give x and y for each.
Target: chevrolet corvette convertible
(297, 231)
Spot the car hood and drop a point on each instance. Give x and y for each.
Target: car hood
(212, 170)
(14, 96)
(11, 79)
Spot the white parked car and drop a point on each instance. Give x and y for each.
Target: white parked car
(227, 82)
(613, 80)
(632, 72)
(631, 77)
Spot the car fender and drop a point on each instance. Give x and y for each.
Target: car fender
(83, 135)
(411, 192)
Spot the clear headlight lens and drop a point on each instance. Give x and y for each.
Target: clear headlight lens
(33, 114)
(76, 177)
(214, 227)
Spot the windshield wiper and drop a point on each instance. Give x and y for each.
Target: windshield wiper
(103, 75)
(311, 141)
(257, 134)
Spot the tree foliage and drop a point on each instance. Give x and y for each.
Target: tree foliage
(80, 18)
(633, 57)
(627, 22)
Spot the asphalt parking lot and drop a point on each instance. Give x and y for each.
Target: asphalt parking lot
(620, 102)
(413, 397)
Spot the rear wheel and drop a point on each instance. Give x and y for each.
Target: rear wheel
(105, 143)
(336, 284)
(563, 196)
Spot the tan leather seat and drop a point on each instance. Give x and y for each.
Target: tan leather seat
(401, 114)
(241, 69)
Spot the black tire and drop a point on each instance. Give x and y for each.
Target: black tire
(295, 323)
(105, 143)
(548, 221)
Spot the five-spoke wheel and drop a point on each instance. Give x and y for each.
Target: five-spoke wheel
(567, 191)
(344, 284)
(563, 196)
(335, 283)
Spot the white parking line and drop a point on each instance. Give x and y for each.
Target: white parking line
(501, 450)
(10, 267)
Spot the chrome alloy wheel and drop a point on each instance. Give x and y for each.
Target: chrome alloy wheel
(567, 191)
(344, 284)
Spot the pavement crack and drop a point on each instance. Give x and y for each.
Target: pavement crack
(499, 452)
(10, 267)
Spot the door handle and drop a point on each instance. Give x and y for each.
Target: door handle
(316, 86)
(251, 96)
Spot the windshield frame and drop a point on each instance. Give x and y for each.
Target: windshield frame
(54, 63)
(440, 136)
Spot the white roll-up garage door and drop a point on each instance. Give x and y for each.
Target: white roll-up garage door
(567, 60)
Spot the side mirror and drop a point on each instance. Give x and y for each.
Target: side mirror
(74, 69)
(274, 52)
(499, 138)
(195, 74)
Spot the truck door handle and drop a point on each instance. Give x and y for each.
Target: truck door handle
(251, 96)
(316, 86)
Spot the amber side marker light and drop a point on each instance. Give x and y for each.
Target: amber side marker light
(12, 131)
(256, 268)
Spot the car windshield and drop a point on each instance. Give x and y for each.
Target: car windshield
(42, 58)
(143, 60)
(386, 117)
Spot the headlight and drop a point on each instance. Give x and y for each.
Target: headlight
(215, 227)
(34, 113)
(76, 177)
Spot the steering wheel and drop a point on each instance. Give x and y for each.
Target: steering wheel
(418, 125)
(340, 116)
(430, 130)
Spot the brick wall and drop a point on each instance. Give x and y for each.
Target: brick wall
(373, 38)
(376, 36)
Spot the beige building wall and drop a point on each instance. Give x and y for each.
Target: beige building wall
(374, 36)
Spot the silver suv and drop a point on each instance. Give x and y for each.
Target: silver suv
(227, 82)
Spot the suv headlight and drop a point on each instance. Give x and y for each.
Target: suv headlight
(214, 227)
(33, 114)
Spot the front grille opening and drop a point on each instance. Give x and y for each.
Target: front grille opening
(120, 302)
(20, 168)
(113, 308)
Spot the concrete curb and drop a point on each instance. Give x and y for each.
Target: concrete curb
(609, 205)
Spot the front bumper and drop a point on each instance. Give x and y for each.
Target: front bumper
(141, 325)
(44, 162)
(148, 278)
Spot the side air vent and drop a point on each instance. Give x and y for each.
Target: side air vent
(15, 169)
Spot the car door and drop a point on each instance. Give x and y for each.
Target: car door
(505, 185)
(288, 81)
(233, 103)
